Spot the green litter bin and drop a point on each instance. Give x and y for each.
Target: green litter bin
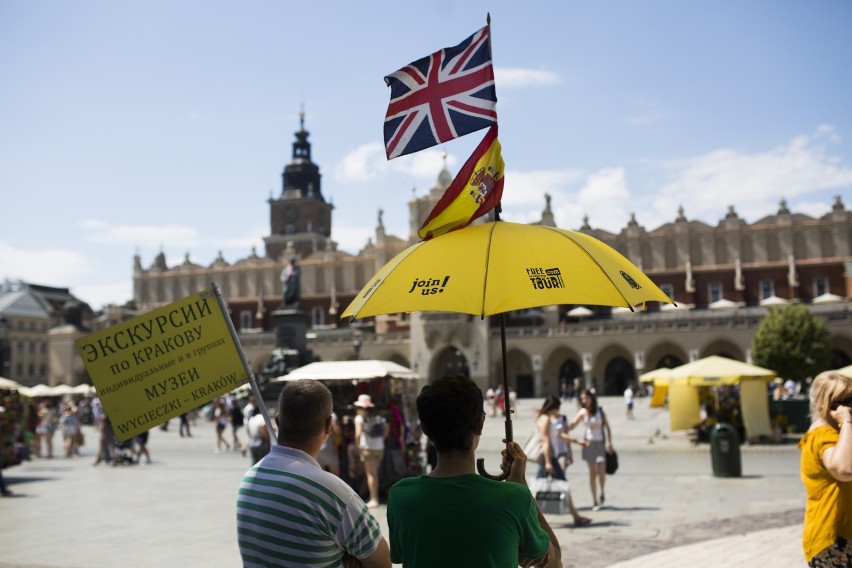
(725, 451)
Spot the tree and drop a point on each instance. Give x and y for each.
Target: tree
(792, 342)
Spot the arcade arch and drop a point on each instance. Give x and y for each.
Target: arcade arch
(665, 354)
(841, 351)
(723, 348)
(613, 371)
(449, 361)
(560, 367)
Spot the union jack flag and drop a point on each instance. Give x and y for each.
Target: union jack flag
(441, 97)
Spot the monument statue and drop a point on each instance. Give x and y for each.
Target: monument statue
(290, 278)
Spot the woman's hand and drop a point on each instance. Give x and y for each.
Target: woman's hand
(841, 414)
(548, 467)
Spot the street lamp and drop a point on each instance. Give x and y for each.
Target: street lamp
(356, 345)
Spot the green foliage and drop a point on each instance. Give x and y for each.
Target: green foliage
(792, 342)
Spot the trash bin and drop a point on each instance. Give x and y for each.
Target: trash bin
(725, 451)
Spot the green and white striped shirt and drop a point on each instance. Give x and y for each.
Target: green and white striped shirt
(290, 512)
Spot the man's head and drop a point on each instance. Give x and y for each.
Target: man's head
(450, 411)
(304, 411)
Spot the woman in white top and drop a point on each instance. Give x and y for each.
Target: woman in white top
(599, 436)
(370, 433)
(552, 429)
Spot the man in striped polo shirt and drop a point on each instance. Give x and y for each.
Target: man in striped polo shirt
(290, 512)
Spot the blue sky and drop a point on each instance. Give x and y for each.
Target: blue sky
(156, 125)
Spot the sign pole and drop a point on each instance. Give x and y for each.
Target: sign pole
(254, 389)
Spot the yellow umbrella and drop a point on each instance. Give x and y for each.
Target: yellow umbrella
(499, 267)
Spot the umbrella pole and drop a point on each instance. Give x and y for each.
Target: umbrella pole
(507, 408)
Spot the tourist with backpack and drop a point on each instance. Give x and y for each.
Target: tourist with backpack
(371, 429)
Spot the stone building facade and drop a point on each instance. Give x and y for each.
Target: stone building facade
(723, 277)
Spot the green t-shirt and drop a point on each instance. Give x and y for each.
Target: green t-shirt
(467, 520)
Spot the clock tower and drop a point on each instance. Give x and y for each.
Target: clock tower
(300, 215)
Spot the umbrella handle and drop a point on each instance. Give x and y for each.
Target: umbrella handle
(480, 467)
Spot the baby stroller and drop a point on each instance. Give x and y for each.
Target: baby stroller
(124, 452)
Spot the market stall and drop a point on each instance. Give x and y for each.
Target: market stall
(683, 384)
(393, 388)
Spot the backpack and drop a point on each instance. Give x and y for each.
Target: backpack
(374, 427)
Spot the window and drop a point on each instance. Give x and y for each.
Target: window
(714, 291)
(245, 319)
(820, 286)
(767, 289)
(668, 290)
(318, 316)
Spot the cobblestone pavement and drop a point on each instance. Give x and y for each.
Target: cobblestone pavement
(179, 511)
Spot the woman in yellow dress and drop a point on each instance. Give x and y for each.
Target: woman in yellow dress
(826, 470)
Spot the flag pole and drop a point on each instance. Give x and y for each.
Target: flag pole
(246, 366)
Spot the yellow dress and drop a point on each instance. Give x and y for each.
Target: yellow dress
(828, 512)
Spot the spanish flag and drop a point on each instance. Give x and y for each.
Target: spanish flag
(475, 191)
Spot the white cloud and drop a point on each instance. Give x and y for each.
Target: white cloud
(351, 239)
(51, 267)
(362, 164)
(527, 188)
(602, 195)
(603, 198)
(142, 235)
(754, 183)
(514, 77)
(368, 162)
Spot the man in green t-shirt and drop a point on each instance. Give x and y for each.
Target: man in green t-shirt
(454, 517)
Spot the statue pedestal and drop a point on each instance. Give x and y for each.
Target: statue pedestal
(290, 329)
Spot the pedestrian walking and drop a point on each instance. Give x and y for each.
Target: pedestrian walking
(628, 401)
(220, 422)
(106, 441)
(184, 426)
(141, 440)
(292, 513)
(237, 421)
(552, 428)
(69, 424)
(826, 470)
(597, 433)
(371, 430)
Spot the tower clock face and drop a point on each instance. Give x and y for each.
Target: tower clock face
(291, 213)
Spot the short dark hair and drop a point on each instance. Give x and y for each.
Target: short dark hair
(303, 408)
(449, 410)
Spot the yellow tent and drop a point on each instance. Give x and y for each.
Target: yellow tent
(661, 378)
(684, 408)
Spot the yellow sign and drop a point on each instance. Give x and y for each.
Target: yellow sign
(161, 364)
